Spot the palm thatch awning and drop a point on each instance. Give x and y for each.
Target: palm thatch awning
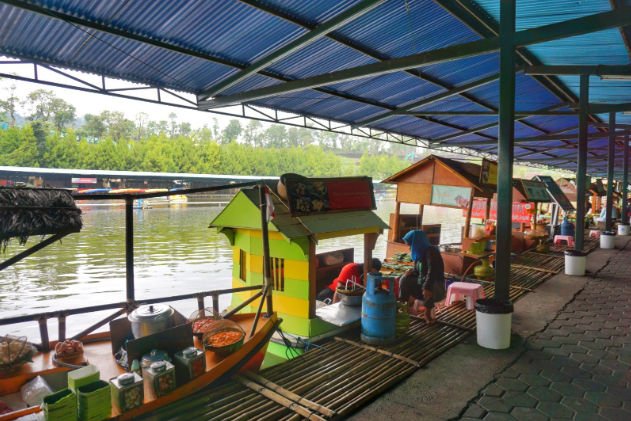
(26, 211)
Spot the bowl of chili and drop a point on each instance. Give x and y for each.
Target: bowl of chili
(224, 342)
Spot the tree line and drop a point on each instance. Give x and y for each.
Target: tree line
(42, 130)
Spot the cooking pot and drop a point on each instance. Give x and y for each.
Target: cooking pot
(149, 319)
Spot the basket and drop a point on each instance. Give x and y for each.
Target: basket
(233, 340)
(14, 352)
(350, 297)
(203, 321)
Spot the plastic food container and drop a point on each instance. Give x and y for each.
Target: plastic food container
(160, 376)
(127, 391)
(189, 363)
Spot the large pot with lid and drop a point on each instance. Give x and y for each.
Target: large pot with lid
(149, 319)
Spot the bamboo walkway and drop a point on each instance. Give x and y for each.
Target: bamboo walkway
(337, 378)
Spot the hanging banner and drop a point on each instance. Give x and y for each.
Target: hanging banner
(83, 180)
(535, 191)
(522, 212)
(452, 196)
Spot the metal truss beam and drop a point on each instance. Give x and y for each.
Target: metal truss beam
(596, 108)
(569, 28)
(306, 39)
(547, 138)
(598, 70)
(483, 113)
(256, 113)
(434, 98)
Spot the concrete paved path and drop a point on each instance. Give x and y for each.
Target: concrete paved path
(570, 358)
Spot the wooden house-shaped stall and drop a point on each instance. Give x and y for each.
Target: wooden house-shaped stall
(437, 181)
(315, 209)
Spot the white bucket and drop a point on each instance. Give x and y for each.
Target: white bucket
(493, 323)
(607, 240)
(575, 263)
(623, 229)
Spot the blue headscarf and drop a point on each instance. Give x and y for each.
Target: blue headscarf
(418, 242)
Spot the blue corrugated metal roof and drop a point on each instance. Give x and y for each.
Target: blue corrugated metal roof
(231, 34)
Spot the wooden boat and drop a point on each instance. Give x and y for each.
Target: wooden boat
(97, 347)
(97, 350)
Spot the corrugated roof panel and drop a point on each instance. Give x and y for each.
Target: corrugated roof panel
(534, 13)
(459, 72)
(395, 89)
(214, 23)
(319, 57)
(414, 126)
(314, 11)
(400, 28)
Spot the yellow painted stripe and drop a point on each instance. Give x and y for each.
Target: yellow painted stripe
(296, 269)
(293, 306)
(258, 234)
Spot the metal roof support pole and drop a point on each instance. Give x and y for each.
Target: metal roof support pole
(505, 146)
(581, 168)
(625, 181)
(610, 165)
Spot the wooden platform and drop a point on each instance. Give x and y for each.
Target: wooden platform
(337, 378)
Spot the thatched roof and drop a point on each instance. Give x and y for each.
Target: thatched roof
(26, 211)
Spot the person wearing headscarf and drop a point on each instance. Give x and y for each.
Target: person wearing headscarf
(424, 284)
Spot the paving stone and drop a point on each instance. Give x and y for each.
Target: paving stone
(576, 372)
(544, 394)
(568, 389)
(615, 414)
(589, 385)
(511, 384)
(556, 376)
(588, 417)
(580, 405)
(573, 348)
(498, 416)
(555, 410)
(603, 399)
(622, 393)
(534, 380)
(493, 390)
(474, 411)
(492, 404)
(515, 399)
(528, 414)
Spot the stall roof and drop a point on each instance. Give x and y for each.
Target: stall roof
(251, 52)
(243, 212)
(466, 171)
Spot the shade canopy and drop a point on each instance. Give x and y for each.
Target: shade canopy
(421, 72)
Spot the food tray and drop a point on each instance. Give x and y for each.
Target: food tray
(228, 348)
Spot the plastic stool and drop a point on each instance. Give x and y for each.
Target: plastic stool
(467, 291)
(569, 239)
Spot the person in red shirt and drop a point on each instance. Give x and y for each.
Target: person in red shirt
(350, 272)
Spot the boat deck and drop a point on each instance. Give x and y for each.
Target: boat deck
(337, 378)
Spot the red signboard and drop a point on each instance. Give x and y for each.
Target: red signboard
(317, 195)
(83, 180)
(522, 211)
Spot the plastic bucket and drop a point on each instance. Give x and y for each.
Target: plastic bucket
(575, 262)
(493, 323)
(607, 240)
(623, 229)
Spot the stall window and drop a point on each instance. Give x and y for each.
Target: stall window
(243, 271)
(278, 273)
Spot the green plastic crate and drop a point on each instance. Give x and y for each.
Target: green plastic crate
(83, 376)
(94, 401)
(61, 406)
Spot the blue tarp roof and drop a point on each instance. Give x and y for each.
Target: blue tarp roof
(212, 40)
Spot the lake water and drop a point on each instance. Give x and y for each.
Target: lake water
(175, 253)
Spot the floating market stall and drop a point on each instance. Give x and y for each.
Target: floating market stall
(306, 210)
(443, 182)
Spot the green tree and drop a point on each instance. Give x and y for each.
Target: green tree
(18, 147)
(231, 132)
(252, 133)
(8, 106)
(46, 107)
(94, 127)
